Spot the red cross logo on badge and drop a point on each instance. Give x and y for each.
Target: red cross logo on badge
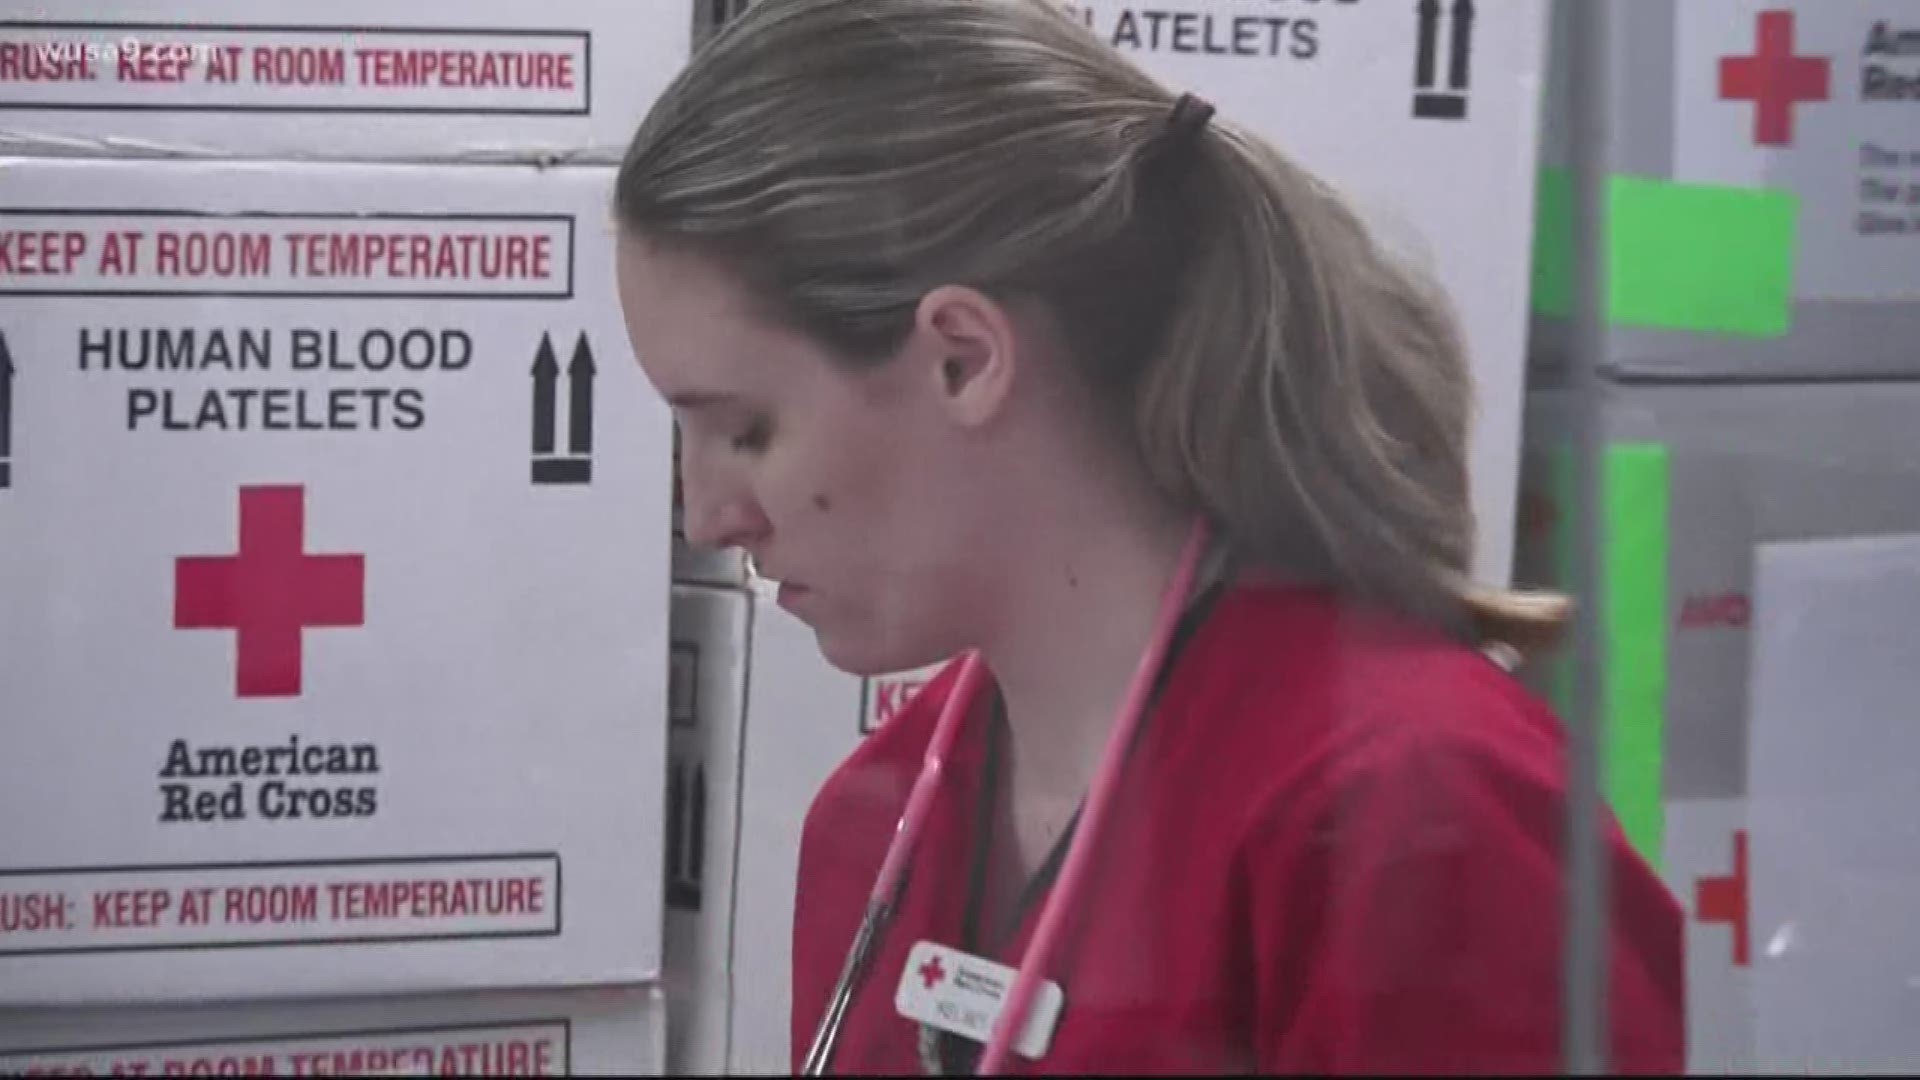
(932, 972)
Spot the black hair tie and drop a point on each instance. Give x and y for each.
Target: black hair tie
(1169, 149)
(1191, 112)
(1189, 115)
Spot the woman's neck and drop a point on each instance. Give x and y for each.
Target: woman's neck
(1077, 614)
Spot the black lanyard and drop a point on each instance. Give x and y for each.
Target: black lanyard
(959, 1055)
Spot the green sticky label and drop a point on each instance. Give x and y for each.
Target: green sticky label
(1553, 243)
(1698, 257)
(1633, 620)
(1560, 483)
(1632, 549)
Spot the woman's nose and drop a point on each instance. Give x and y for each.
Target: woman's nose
(721, 519)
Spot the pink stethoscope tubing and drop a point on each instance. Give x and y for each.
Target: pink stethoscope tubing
(1073, 872)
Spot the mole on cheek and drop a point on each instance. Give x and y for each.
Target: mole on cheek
(820, 502)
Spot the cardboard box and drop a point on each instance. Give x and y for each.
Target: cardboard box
(1740, 465)
(1701, 476)
(1764, 209)
(772, 720)
(334, 611)
(600, 1032)
(480, 80)
(710, 657)
(1708, 865)
(1835, 765)
(1433, 86)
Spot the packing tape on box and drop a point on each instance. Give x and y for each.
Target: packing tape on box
(1704, 258)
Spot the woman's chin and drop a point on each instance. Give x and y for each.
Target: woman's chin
(863, 657)
(855, 659)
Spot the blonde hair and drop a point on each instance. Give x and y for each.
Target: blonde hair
(1279, 371)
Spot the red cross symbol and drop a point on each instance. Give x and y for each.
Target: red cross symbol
(1724, 899)
(1773, 79)
(895, 695)
(931, 972)
(269, 592)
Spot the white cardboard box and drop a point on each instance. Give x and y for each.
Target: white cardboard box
(1835, 760)
(321, 675)
(1722, 470)
(710, 632)
(771, 719)
(1340, 86)
(1802, 110)
(478, 80)
(596, 1032)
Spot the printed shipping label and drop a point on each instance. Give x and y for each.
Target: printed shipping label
(1820, 98)
(336, 518)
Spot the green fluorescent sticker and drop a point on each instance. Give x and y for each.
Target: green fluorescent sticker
(1633, 550)
(1634, 609)
(1553, 244)
(1560, 482)
(1697, 257)
(1700, 257)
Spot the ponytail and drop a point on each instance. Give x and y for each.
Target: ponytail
(1315, 399)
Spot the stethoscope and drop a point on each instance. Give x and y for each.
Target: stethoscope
(890, 883)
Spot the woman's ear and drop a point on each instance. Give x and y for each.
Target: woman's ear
(976, 349)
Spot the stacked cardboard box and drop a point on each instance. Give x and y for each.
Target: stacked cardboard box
(1760, 384)
(334, 617)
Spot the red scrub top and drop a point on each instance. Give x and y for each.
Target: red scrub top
(1335, 849)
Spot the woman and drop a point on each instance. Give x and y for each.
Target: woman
(968, 324)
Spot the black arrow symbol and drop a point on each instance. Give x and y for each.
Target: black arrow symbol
(577, 466)
(677, 837)
(6, 414)
(546, 372)
(580, 399)
(1462, 41)
(1429, 44)
(1430, 103)
(697, 841)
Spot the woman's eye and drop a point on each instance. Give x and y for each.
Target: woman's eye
(754, 438)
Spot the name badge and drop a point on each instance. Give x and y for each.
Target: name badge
(962, 993)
